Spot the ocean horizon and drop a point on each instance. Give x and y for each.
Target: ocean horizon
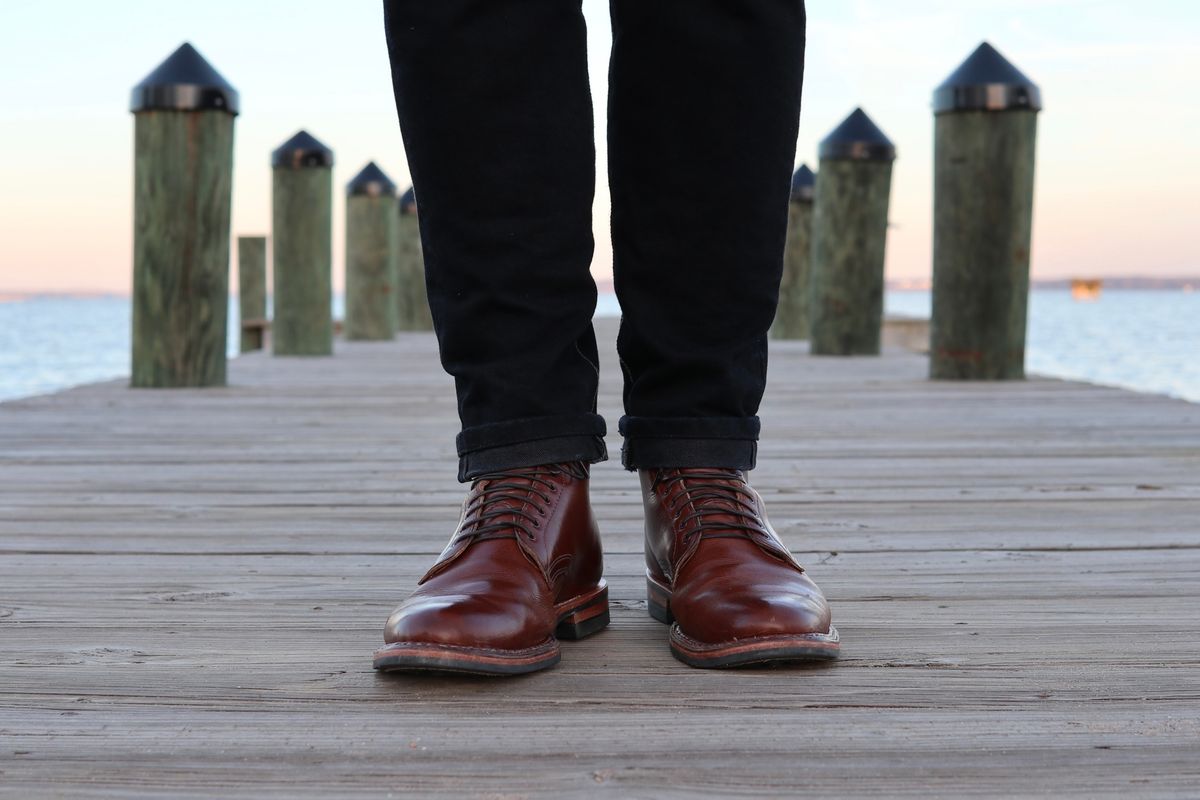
(1145, 340)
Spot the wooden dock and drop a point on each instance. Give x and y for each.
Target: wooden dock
(192, 584)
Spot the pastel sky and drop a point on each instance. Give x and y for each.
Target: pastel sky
(1118, 156)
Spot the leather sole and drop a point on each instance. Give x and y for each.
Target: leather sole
(757, 651)
(577, 618)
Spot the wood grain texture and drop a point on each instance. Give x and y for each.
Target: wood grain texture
(792, 319)
(850, 221)
(982, 225)
(252, 289)
(370, 268)
(192, 583)
(182, 198)
(302, 249)
(412, 299)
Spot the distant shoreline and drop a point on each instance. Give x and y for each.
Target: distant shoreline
(1183, 284)
(605, 285)
(14, 297)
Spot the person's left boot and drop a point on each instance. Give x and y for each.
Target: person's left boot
(719, 574)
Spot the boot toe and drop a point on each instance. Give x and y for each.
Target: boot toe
(460, 620)
(724, 610)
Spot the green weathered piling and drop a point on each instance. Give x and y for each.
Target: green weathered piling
(412, 301)
(850, 220)
(182, 195)
(792, 317)
(985, 129)
(302, 206)
(252, 291)
(370, 259)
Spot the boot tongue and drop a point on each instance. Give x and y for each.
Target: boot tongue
(515, 484)
(710, 499)
(706, 494)
(526, 488)
(522, 488)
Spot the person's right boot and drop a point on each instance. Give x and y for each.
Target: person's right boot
(522, 570)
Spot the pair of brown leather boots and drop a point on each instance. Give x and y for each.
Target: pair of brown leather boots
(524, 569)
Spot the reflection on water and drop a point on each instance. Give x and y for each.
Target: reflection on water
(1144, 340)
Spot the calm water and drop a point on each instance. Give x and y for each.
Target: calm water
(1143, 340)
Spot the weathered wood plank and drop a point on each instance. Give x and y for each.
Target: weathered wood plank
(183, 195)
(302, 248)
(191, 584)
(370, 264)
(252, 292)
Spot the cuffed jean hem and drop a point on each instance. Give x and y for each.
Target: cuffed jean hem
(528, 442)
(657, 442)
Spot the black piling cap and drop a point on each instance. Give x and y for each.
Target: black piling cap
(184, 82)
(302, 150)
(371, 182)
(986, 81)
(408, 202)
(858, 139)
(804, 183)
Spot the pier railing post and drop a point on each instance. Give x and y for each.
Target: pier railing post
(370, 260)
(252, 291)
(412, 300)
(850, 220)
(985, 128)
(302, 247)
(791, 317)
(183, 184)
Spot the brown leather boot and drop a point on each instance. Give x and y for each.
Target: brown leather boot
(522, 571)
(716, 569)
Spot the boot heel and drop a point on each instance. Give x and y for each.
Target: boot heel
(589, 618)
(658, 602)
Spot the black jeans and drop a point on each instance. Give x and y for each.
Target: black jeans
(496, 115)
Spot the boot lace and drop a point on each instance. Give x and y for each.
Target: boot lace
(722, 505)
(531, 489)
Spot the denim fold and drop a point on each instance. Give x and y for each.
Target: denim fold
(657, 442)
(530, 441)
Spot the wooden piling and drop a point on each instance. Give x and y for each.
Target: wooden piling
(792, 317)
(850, 220)
(183, 178)
(302, 247)
(252, 291)
(985, 130)
(370, 259)
(412, 300)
